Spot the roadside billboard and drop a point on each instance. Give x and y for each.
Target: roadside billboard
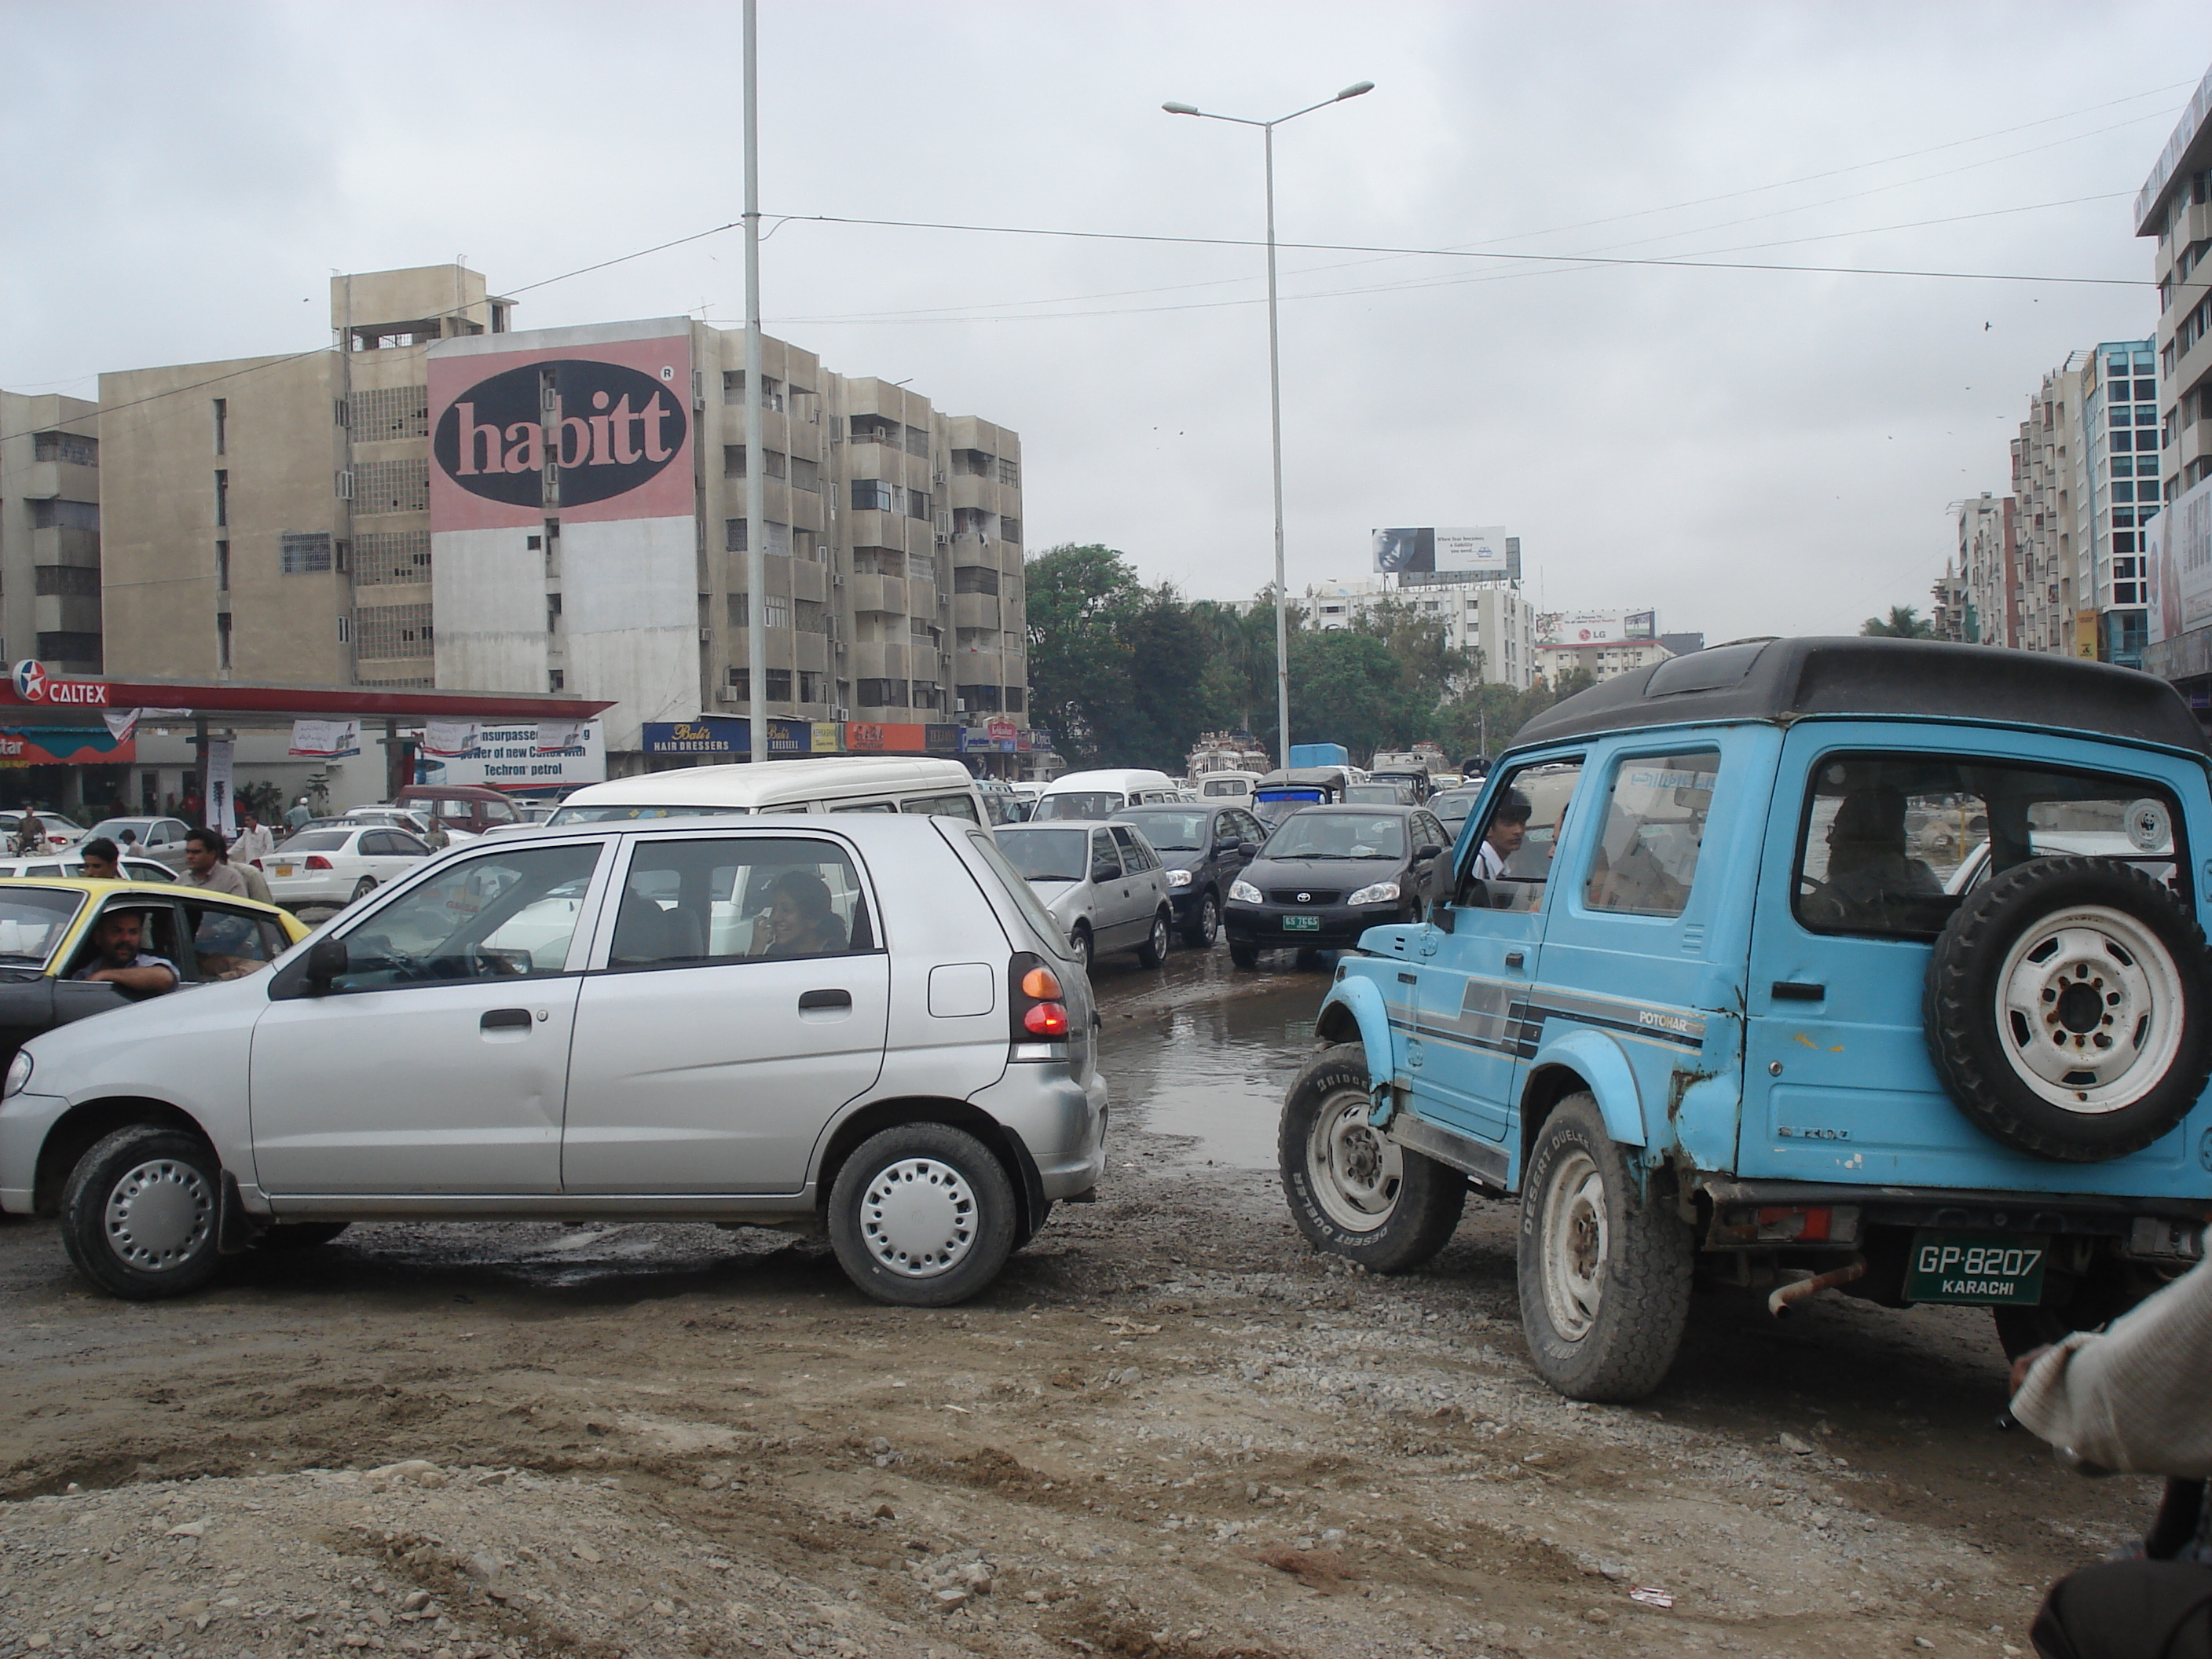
(1446, 554)
(510, 758)
(1596, 627)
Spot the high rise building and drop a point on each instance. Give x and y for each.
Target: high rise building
(444, 502)
(1491, 621)
(1978, 600)
(50, 546)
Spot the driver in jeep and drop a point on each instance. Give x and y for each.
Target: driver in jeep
(1867, 869)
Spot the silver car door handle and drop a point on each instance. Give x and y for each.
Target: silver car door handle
(824, 1002)
(505, 1019)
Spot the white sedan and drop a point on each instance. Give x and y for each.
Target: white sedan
(337, 863)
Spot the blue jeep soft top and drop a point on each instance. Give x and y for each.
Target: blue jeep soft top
(1865, 964)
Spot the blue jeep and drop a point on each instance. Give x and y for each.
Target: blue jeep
(1859, 964)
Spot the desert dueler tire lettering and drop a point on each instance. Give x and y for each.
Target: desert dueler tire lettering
(139, 1212)
(2066, 1009)
(1604, 1267)
(1352, 1190)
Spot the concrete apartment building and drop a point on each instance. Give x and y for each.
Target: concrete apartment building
(1491, 621)
(2174, 209)
(1601, 662)
(49, 532)
(324, 519)
(1977, 600)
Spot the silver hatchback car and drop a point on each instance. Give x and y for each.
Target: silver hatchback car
(1101, 882)
(866, 1025)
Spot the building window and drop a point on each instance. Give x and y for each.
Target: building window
(738, 609)
(1013, 700)
(346, 628)
(972, 463)
(80, 648)
(392, 486)
(879, 562)
(917, 504)
(973, 579)
(304, 553)
(927, 694)
(223, 641)
(552, 613)
(390, 412)
(66, 448)
(922, 568)
(52, 512)
(394, 630)
(805, 475)
(394, 556)
(809, 686)
(1010, 530)
(223, 567)
(1010, 473)
(812, 617)
(556, 680)
(882, 693)
(221, 497)
(871, 495)
(775, 611)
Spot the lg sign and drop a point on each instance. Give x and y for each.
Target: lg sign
(609, 429)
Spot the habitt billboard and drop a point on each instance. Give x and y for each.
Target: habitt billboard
(1429, 553)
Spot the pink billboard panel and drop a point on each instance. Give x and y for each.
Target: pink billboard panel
(607, 424)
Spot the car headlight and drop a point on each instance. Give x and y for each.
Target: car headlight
(1245, 893)
(1178, 877)
(19, 1074)
(1380, 892)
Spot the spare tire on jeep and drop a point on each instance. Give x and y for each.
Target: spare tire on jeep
(2067, 1009)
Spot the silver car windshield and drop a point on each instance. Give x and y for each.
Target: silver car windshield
(1047, 855)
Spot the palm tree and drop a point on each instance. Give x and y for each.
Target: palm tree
(1904, 623)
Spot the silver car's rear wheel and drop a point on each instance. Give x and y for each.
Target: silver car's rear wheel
(922, 1214)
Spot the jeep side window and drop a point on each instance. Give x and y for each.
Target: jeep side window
(1512, 855)
(1891, 843)
(1654, 819)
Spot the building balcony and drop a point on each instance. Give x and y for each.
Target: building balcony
(976, 611)
(977, 550)
(875, 660)
(866, 593)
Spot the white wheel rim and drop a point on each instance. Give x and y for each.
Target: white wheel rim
(1575, 1239)
(918, 1217)
(158, 1215)
(1357, 1170)
(2089, 1008)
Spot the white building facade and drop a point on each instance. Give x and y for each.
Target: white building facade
(1491, 621)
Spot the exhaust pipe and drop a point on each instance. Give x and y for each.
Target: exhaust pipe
(1787, 1297)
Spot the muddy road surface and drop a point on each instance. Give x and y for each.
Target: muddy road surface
(1171, 1430)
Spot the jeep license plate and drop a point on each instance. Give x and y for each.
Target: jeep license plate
(1977, 1269)
(1302, 924)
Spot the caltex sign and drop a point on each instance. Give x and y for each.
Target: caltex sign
(32, 683)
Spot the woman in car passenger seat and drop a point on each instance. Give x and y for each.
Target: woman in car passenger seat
(799, 921)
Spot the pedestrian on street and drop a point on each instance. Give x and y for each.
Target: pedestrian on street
(253, 841)
(204, 864)
(2132, 1399)
(299, 814)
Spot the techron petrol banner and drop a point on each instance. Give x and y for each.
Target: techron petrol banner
(579, 426)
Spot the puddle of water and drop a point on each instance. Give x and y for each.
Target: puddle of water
(1216, 1071)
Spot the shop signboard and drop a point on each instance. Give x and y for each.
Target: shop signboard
(826, 737)
(713, 736)
(511, 758)
(1000, 731)
(865, 738)
(2180, 543)
(66, 745)
(29, 683)
(941, 740)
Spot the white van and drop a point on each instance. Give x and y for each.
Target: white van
(856, 783)
(1102, 794)
(1227, 786)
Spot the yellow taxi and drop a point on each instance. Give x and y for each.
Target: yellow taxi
(47, 938)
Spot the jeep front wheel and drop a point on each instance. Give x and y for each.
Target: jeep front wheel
(1352, 1190)
(1604, 1270)
(139, 1212)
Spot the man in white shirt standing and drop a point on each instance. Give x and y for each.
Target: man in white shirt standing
(253, 841)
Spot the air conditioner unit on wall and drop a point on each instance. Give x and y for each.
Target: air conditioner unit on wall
(839, 712)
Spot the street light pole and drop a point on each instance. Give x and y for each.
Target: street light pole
(756, 467)
(1275, 397)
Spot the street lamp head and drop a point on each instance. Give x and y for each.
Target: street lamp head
(1181, 109)
(1355, 89)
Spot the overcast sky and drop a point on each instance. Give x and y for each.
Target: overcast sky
(1750, 452)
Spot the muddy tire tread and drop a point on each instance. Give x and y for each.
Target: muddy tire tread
(1431, 1195)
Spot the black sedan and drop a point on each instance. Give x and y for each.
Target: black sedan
(1328, 874)
(1204, 849)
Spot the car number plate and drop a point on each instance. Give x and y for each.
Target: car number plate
(1302, 924)
(282, 869)
(1977, 1269)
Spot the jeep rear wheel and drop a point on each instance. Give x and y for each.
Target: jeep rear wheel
(1352, 1190)
(2067, 1010)
(139, 1212)
(1604, 1271)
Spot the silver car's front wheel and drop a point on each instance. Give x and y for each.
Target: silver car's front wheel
(922, 1214)
(140, 1211)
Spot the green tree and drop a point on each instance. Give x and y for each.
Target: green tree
(1905, 622)
(1117, 670)
(1347, 687)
